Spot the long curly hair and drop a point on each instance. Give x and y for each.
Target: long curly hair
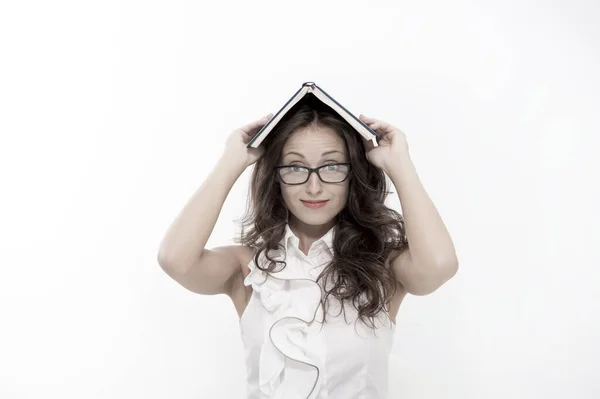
(366, 231)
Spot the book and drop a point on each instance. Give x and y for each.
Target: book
(309, 92)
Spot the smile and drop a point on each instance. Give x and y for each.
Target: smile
(314, 204)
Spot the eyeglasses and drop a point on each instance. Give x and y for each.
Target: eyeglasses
(328, 173)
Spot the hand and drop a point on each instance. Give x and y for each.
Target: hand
(235, 148)
(392, 143)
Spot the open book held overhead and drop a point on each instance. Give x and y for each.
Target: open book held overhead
(310, 92)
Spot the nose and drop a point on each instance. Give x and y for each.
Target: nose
(314, 184)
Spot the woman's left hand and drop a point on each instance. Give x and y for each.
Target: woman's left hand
(392, 143)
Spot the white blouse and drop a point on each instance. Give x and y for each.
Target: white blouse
(290, 353)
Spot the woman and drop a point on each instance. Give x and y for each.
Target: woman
(323, 264)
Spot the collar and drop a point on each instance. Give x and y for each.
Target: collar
(326, 241)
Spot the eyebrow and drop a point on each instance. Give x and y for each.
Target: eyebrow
(322, 155)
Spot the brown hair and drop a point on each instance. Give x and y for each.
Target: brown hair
(367, 231)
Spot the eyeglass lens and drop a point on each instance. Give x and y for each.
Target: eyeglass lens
(329, 173)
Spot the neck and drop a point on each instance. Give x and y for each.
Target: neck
(307, 234)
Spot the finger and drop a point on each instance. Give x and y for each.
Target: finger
(381, 126)
(250, 127)
(369, 122)
(377, 124)
(367, 119)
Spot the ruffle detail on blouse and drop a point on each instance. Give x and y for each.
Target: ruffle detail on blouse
(292, 358)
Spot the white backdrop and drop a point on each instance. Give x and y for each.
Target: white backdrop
(112, 114)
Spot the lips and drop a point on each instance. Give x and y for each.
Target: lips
(314, 204)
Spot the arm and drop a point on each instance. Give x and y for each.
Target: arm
(431, 259)
(182, 254)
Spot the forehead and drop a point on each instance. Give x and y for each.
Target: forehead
(313, 141)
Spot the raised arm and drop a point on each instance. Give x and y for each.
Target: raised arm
(182, 254)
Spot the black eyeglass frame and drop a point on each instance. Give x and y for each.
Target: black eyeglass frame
(311, 170)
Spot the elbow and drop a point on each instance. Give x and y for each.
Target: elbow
(166, 261)
(449, 269)
(162, 258)
(431, 282)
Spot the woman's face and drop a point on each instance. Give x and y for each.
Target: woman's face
(313, 147)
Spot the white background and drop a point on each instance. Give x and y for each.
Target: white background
(113, 113)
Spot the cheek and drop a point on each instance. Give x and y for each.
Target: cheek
(342, 195)
(288, 194)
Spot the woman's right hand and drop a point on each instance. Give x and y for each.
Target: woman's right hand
(239, 139)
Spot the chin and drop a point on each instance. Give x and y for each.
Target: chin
(310, 217)
(315, 220)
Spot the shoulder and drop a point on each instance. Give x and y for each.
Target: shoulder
(239, 251)
(244, 254)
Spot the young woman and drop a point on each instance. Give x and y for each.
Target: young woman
(323, 264)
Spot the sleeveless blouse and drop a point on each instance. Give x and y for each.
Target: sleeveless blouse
(290, 353)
